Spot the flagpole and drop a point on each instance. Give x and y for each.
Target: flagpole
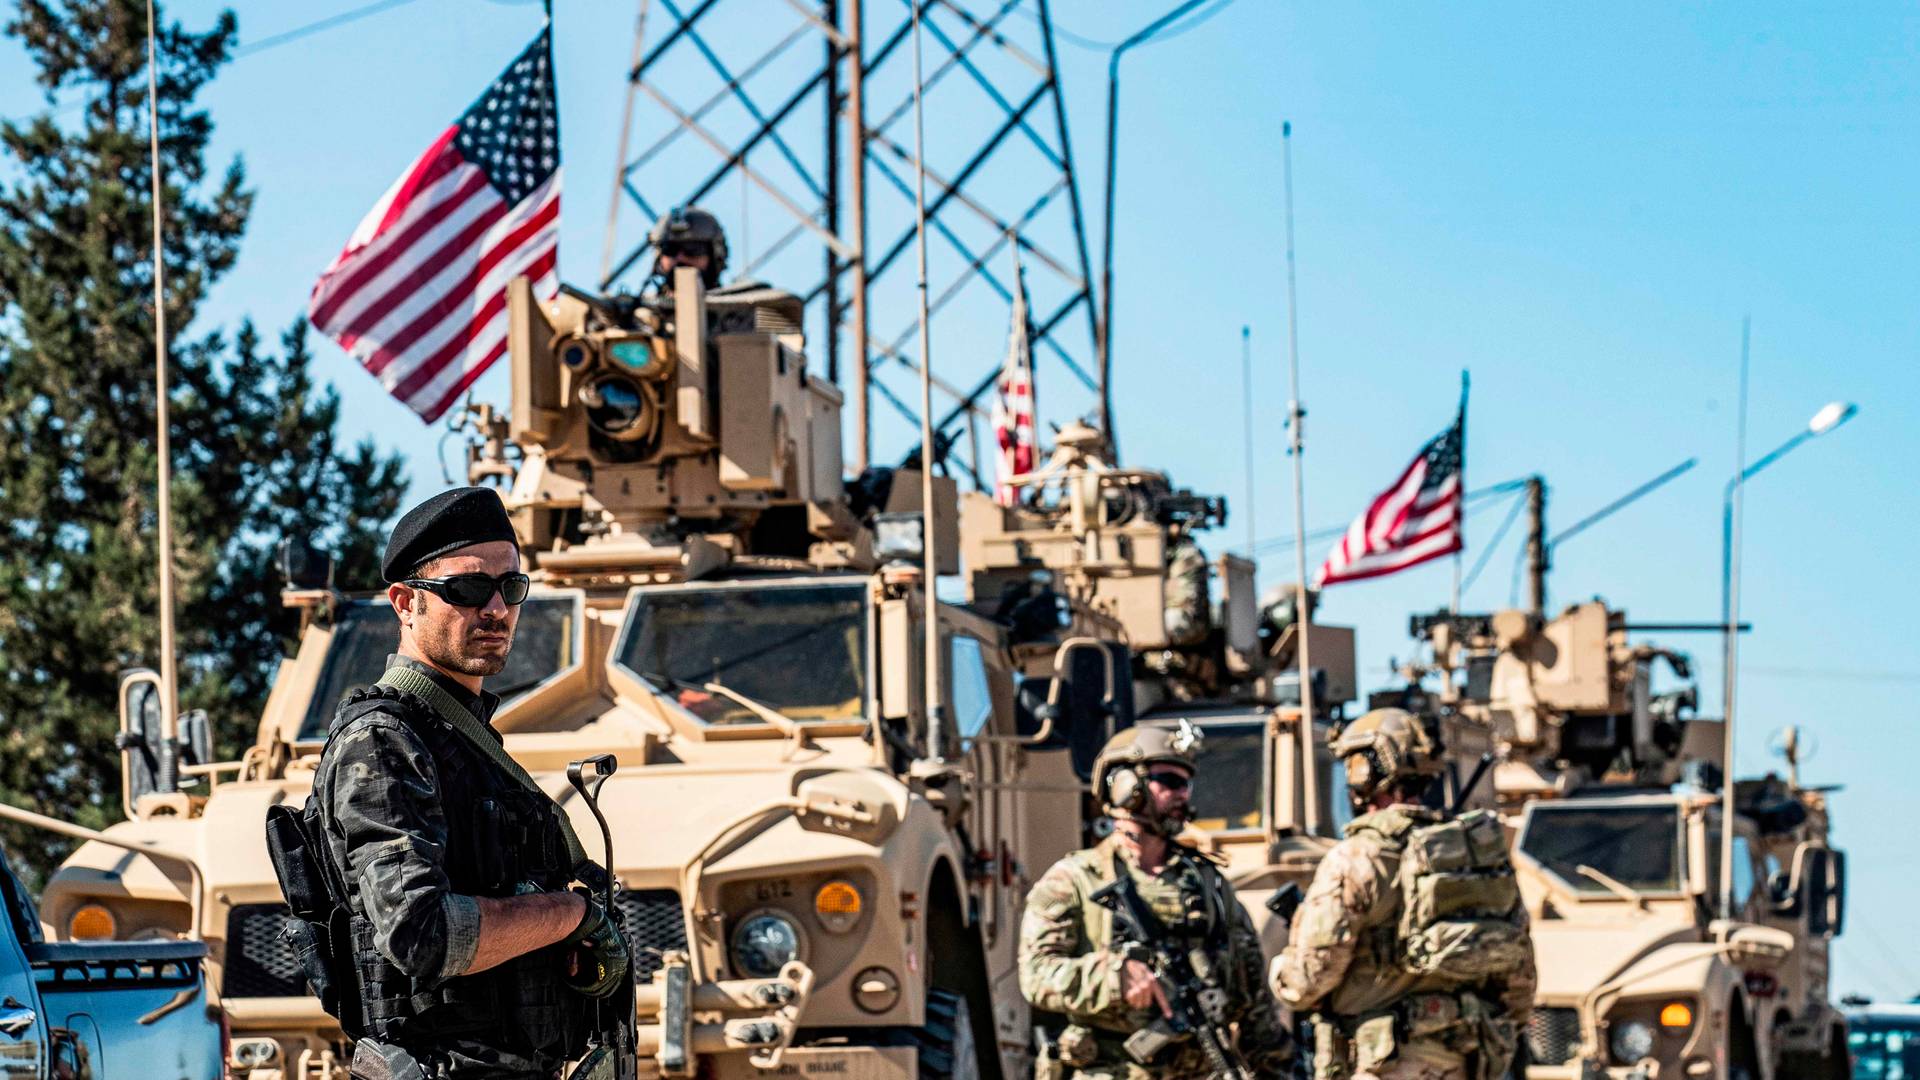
(1460, 551)
(930, 618)
(168, 751)
(1296, 415)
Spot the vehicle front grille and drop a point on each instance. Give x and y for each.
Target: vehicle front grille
(259, 961)
(653, 924)
(261, 964)
(1553, 1036)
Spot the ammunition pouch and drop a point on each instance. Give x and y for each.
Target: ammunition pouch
(1146, 1045)
(317, 933)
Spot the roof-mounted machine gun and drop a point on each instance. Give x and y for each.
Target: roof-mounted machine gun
(1568, 700)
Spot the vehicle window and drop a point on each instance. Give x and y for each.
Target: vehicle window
(544, 645)
(1227, 786)
(1637, 846)
(797, 649)
(1884, 1049)
(1743, 877)
(972, 696)
(19, 905)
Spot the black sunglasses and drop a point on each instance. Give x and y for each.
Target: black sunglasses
(474, 590)
(1172, 781)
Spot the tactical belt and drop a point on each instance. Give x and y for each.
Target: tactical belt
(462, 720)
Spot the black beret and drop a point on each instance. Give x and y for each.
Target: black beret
(445, 523)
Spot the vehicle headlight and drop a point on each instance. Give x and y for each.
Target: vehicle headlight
(763, 943)
(1630, 1041)
(92, 922)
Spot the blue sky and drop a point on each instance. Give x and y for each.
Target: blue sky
(1577, 204)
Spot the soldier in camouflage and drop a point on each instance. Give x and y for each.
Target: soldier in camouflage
(1411, 948)
(1070, 964)
(469, 957)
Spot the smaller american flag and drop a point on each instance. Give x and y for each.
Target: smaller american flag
(419, 295)
(1013, 410)
(1415, 520)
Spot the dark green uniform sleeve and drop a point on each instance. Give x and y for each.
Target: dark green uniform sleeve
(381, 805)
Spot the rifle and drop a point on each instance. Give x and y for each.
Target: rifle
(1196, 1009)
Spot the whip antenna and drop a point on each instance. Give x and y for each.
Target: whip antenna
(936, 725)
(1296, 413)
(169, 749)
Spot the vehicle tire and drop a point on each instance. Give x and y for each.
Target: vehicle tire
(946, 1046)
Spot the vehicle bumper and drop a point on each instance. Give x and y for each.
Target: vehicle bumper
(1692, 1069)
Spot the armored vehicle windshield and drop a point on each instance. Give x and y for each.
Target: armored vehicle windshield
(797, 648)
(546, 642)
(1636, 845)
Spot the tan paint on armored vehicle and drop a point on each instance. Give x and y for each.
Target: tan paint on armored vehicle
(710, 609)
(1107, 536)
(1618, 856)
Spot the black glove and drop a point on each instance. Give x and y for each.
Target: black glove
(597, 958)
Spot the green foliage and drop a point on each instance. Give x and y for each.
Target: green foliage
(255, 454)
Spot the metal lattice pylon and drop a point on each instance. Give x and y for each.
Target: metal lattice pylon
(763, 102)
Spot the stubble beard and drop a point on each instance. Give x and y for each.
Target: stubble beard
(447, 647)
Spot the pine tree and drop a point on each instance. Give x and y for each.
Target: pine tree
(256, 457)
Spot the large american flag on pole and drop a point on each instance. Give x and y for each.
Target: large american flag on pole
(419, 295)
(1415, 520)
(1013, 408)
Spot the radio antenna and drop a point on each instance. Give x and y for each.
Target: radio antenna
(1296, 414)
(168, 752)
(929, 543)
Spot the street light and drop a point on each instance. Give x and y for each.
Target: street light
(1830, 416)
(1106, 253)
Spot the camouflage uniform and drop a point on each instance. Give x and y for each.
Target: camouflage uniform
(380, 798)
(1375, 1021)
(1188, 612)
(1067, 965)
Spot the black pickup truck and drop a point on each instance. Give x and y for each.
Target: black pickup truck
(108, 1011)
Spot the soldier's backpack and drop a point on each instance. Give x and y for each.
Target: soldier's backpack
(1461, 917)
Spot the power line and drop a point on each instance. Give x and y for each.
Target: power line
(1166, 34)
(274, 41)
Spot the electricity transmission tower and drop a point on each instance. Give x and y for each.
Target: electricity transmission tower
(791, 120)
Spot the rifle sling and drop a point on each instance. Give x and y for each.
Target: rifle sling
(461, 719)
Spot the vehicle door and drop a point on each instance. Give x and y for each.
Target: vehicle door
(23, 1030)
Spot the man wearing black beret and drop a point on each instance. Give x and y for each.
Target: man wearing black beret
(470, 956)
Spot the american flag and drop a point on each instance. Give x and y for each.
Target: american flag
(1013, 416)
(419, 296)
(1415, 520)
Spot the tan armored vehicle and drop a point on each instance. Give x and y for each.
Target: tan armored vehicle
(818, 876)
(1612, 792)
(1123, 542)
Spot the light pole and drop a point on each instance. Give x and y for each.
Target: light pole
(1829, 417)
(1106, 247)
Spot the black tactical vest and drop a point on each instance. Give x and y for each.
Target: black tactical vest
(502, 838)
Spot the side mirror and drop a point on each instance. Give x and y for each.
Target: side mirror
(139, 737)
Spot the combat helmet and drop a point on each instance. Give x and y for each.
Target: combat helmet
(692, 225)
(1386, 748)
(1120, 772)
